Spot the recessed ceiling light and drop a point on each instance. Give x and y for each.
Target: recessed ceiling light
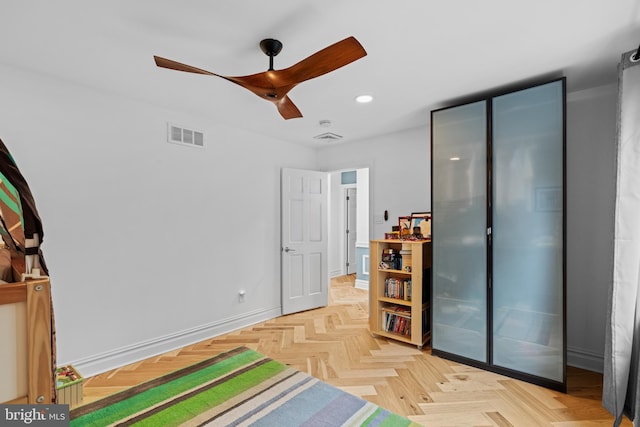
(454, 159)
(363, 99)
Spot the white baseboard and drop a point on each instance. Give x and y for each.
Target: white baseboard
(362, 284)
(107, 361)
(336, 273)
(585, 359)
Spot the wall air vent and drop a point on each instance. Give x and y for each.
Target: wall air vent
(328, 137)
(183, 136)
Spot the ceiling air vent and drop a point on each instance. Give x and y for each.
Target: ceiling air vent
(184, 136)
(328, 137)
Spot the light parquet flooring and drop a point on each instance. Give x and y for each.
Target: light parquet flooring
(334, 344)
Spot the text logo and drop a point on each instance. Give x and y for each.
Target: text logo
(34, 415)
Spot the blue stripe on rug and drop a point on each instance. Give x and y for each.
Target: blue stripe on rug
(271, 401)
(337, 412)
(316, 401)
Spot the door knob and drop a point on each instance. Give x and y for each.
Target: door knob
(286, 249)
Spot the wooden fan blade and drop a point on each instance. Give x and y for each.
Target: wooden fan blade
(256, 83)
(287, 108)
(324, 61)
(259, 83)
(174, 65)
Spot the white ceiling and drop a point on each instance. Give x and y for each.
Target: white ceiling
(422, 54)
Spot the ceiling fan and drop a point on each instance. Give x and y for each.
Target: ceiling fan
(273, 85)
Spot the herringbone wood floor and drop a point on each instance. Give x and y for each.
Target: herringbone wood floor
(333, 343)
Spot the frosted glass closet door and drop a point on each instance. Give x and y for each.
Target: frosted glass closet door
(459, 224)
(527, 163)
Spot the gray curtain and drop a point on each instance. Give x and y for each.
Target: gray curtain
(621, 394)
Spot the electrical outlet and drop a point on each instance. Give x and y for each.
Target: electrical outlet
(378, 219)
(241, 294)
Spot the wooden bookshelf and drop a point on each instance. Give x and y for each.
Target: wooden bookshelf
(399, 291)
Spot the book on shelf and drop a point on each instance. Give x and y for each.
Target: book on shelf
(397, 288)
(398, 309)
(397, 319)
(398, 325)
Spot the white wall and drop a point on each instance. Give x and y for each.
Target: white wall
(362, 201)
(399, 173)
(591, 151)
(363, 270)
(147, 243)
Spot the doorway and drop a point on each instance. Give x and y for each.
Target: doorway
(304, 278)
(349, 210)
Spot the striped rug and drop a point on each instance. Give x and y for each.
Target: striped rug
(240, 387)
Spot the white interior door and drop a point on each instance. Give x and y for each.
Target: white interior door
(350, 232)
(304, 240)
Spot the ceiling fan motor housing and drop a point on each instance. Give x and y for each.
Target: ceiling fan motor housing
(271, 47)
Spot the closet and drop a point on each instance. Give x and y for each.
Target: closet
(498, 233)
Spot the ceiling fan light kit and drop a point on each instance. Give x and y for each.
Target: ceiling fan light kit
(274, 85)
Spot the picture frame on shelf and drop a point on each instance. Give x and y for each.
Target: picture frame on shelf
(421, 221)
(404, 225)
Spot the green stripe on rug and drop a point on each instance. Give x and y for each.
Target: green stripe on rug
(178, 413)
(138, 402)
(383, 418)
